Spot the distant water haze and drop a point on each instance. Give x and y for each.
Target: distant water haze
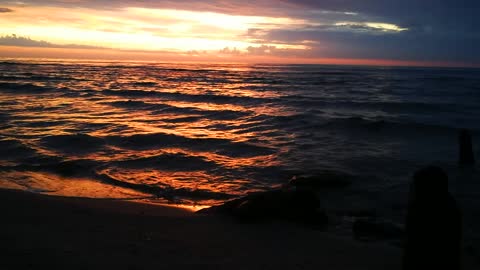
(204, 133)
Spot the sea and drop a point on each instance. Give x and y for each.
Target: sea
(200, 134)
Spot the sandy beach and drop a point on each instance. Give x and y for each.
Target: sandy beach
(45, 232)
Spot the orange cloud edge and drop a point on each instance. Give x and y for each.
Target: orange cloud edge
(14, 52)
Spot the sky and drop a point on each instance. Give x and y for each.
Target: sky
(385, 32)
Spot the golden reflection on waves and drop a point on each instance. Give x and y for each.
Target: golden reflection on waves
(148, 100)
(52, 184)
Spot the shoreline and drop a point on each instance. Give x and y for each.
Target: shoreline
(77, 233)
(57, 232)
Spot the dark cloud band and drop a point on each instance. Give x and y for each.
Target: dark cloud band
(5, 10)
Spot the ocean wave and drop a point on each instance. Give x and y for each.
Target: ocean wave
(160, 108)
(340, 102)
(13, 149)
(92, 169)
(128, 93)
(159, 140)
(294, 120)
(166, 192)
(129, 104)
(69, 168)
(217, 99)
(23, 88)
(73, 143)
(145, 84)
(196, 69)
(4, 117)
(170, 162)
(9, 63)
(383, 125)
(405, 106)
(182, 119)
(34, 77)
(42, 124)
(56, 165)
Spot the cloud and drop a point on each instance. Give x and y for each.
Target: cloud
(138, 28)
(5, 10)
(434, 17)
(437, 14)
(264, 50)
(14, 40)
(370, 27)
(440, 16)
(246, 7)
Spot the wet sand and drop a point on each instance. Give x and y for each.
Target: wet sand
(45, 232)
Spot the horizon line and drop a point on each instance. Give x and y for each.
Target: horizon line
(24, 53)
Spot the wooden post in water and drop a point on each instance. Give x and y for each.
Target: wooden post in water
(466, 156)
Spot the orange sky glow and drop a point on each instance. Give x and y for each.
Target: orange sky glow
(13, 52)
(161, 34)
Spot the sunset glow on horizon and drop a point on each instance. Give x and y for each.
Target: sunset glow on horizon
(139, 28)
(142, 29)
(284, 31)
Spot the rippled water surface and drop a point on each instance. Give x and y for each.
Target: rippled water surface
(206, 133)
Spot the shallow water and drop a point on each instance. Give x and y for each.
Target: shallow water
(204, 133)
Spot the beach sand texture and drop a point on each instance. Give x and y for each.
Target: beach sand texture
(46, 232)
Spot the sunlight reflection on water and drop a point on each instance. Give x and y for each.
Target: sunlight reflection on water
(205, 133)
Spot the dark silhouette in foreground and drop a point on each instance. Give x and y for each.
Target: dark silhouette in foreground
(466, 156)
(301, 206)
(371, 228)
(433, 223)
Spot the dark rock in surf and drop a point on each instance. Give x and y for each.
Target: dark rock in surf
(293, 205)
(466, 156)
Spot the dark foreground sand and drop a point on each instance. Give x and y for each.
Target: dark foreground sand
(43, 232)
